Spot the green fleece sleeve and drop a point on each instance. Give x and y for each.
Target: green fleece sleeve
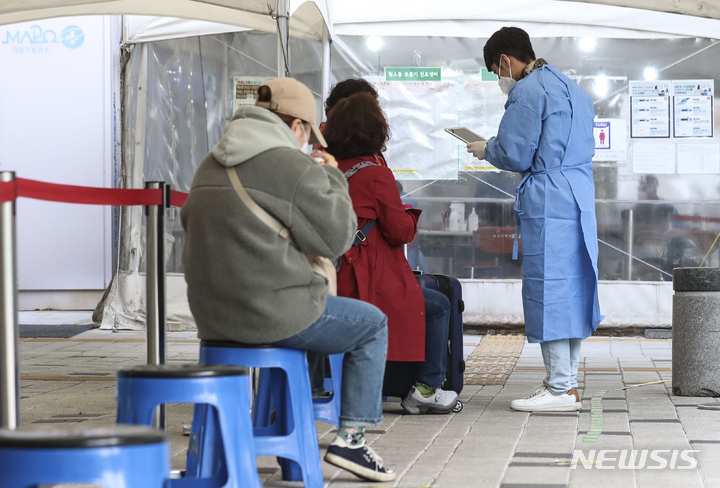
(323, 220)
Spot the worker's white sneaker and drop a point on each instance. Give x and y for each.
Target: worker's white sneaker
(544, 401)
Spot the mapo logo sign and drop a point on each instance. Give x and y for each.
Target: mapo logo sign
(72, 37)
(37, 39)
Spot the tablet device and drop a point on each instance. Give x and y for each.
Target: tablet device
(464, 134)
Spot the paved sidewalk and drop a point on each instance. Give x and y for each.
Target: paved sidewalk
(627, 405)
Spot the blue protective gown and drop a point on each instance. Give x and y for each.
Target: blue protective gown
(546, 133)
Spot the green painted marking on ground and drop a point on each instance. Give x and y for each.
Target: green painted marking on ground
(597, 418)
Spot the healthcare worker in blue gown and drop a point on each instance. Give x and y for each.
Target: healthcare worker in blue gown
(546, 134)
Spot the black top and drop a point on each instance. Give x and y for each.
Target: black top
(120, 435)
(180, 371)
(696, 279)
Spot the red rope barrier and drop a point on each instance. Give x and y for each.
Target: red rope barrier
(696, 218)
(177, 198)
(53, 192)
(8, 191)
(86, 195)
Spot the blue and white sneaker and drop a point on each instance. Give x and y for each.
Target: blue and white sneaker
(359, 459)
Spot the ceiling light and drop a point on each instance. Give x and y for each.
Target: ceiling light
(374, 43)
(650, 74)
(587, 44)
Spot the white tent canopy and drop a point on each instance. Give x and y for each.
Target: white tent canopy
(163, 19)
(706, 8)
(540, 18)
(142, 28)
(308, 16)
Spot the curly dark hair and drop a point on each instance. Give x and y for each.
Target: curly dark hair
(356, 127)
(346, 88)
(510, 41)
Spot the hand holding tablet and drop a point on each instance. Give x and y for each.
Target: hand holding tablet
(464, 134)
(475, 142)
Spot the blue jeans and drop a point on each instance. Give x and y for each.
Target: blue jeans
(359, 330)
(431, 372)
(561, 363)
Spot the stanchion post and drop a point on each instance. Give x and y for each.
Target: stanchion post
(156, 295)
(9, 334)
(629, 238)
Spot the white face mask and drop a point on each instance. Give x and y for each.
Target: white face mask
(305, 147)
(505, 82)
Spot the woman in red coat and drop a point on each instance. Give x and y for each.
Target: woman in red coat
(375, 269)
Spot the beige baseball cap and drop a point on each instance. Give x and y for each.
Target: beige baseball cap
(290, 97)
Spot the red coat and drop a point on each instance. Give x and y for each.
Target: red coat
(377, 271)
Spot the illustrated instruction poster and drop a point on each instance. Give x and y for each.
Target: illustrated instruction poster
(693, 108)
(650, 109)
(418, 113)
(482, 106)
(245, 89)
(611, 140)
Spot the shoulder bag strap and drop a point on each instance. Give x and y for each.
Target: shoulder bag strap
(256, 209)
(361, 234)
(362, 164)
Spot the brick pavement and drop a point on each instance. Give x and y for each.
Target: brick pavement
(70, 382)
(494, 359)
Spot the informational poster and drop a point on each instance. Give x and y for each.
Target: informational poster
(421, 103)
(654, 158)
(245, 89)
(418, 113)
(482, 106)
(693, 108)
(650, 109)
(611, 140)
(698, 158)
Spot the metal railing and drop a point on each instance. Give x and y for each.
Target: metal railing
(9, 330)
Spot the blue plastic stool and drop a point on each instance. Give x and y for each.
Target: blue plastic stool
(325, 409)
(114, 457)
(230, 455)
(293, 436)
(328, 409)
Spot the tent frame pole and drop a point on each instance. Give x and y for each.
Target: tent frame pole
(283, 23)
(326, 68)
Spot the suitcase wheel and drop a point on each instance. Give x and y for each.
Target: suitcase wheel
(461, 306)
(462, 366)
(458, 407)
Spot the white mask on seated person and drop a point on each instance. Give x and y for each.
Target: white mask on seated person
(305, 147)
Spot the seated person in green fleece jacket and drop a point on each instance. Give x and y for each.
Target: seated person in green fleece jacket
(248, 284)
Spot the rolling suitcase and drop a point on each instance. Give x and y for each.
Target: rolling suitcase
(399, 375)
